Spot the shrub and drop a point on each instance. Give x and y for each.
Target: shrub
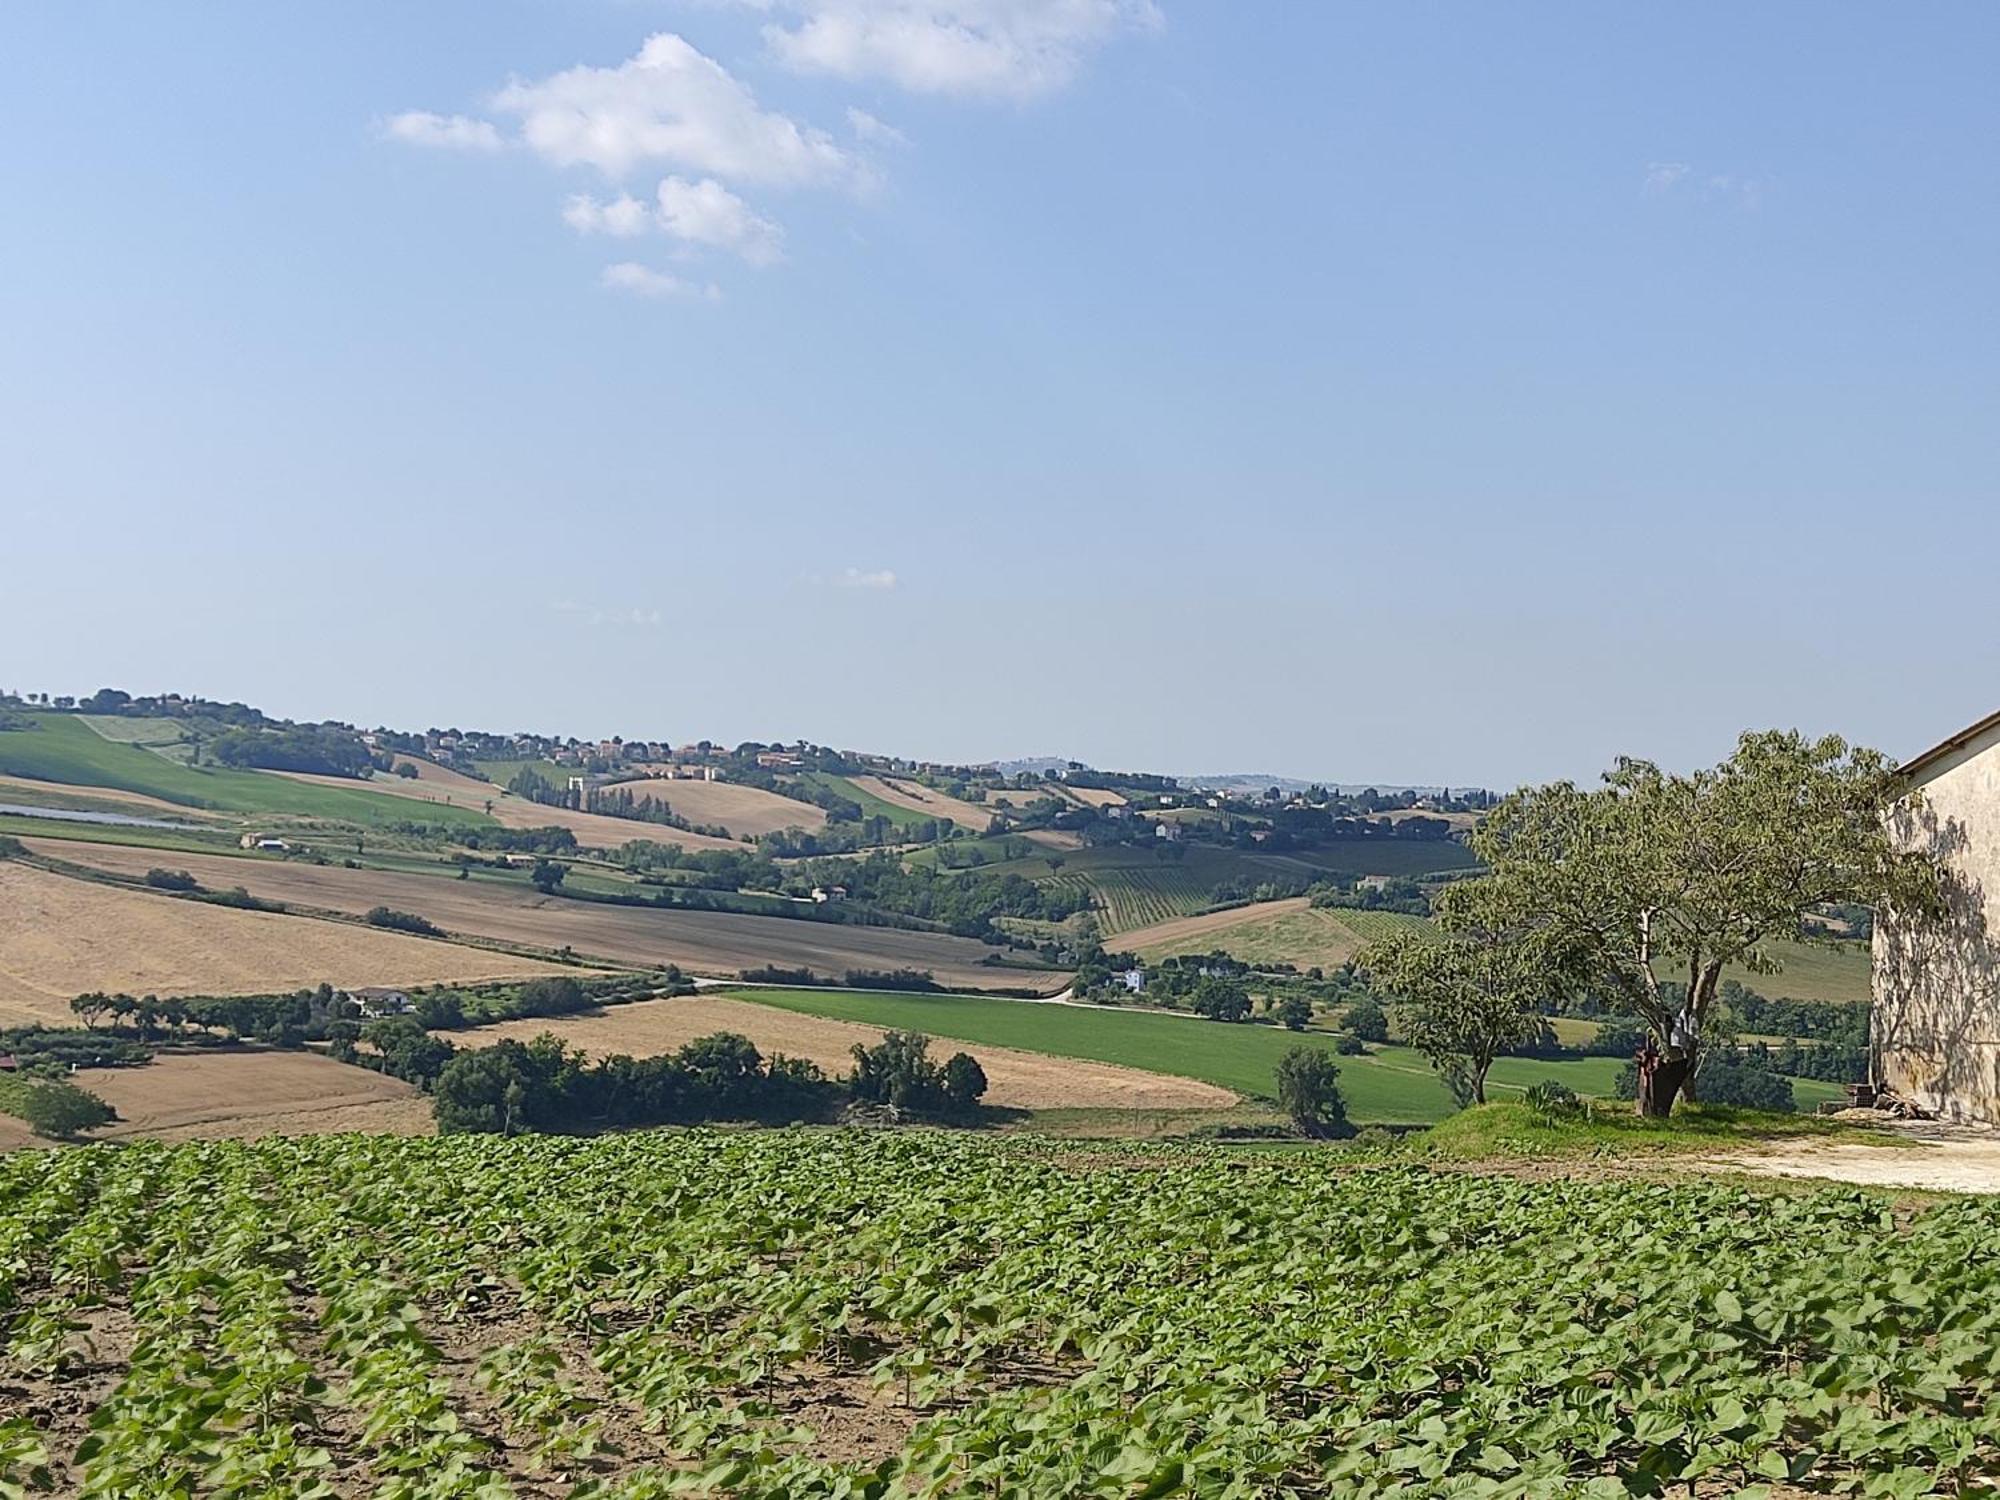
(55, 1110)
(1552, 1101)
(171, 880)
(1347, 1044)
(402, 921)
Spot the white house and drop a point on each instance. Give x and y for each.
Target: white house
(1134, 979)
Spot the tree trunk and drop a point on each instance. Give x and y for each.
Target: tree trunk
(1661, 1079)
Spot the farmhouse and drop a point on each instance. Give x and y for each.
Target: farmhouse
(377, 1001)
(1935, 1028)
(825, 893)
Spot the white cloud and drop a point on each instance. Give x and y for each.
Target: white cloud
(671, 104)
(419, 127)
(706, 213)
(1664, 176)
(994, 48)
(644, 281)
(623, 216)
(703, 214)
(858, 578)
(867, 128)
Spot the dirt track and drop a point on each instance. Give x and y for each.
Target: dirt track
(60, 937)
(1020, 1080)
(1944, 1158)
(720, 943)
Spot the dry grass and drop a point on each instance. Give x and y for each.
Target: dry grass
(240, 1095)
(704, 942)
(740, 809)
(1018, 1080)
(1173, 935)
(433, 783)
(1091, 796)
(914, 797)
(60, 937)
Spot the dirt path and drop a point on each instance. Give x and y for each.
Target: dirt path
(1944, 1158)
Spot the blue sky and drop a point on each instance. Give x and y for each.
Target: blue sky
(1446, 392)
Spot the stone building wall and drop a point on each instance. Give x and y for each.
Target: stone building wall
(1936, 1026)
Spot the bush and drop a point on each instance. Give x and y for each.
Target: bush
(897, 1071)
(402, 921)
(1347, 1044)
(1552, 1101)
(171, 880)
(1294, 1012)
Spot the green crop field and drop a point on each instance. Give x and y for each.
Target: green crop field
(1813, 973)
(1391, 1085)
(806, 1315)
(1404, 857)
(65, 749)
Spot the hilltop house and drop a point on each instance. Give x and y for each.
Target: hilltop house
(1935, 1029)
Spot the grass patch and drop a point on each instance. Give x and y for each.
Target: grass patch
(1511, 1129)
(66, 750)
(193, 841)
(1322, 936)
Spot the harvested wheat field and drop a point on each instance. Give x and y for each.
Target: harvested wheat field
(1015, 1079)
(740, 809)
(914, 797)
(1173, 933)
(1091, 796)
(60, 937)
(703, 942)
(182, 1096)
(433, 783)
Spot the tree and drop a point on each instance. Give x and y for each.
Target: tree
(1655, 875)
(60, 1110)
(964, 1081)
(1309, 1092)
(547, 875)
(1294, 1012)
(1473, 994)
(90, 1007)
(1220, 999)
(1367, 1021)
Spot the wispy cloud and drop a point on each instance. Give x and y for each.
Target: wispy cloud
(876, 132)
(419, 127)
(865, 578)
(591, 615)
(992, 48)
(644, 281)
(1683, 179)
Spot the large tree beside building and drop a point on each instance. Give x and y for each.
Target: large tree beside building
(1655, 883)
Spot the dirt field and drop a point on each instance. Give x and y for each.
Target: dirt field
(60, 937)
(740, 809)
(433, 783)
(1179, 930)
(914, 797)
(1018, 1080)
(237, 1095)
(718, 943)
